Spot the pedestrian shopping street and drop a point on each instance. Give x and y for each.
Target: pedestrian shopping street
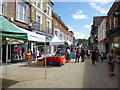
(70, 75)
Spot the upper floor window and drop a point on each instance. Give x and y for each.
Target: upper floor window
(110, 24)
(21, 11)
(39, 22)
(48, 26)
(2, 7)
(38, 3)
(48, 10)
(114, 22)
(56, 22)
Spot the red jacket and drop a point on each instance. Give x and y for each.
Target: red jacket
(77, 53)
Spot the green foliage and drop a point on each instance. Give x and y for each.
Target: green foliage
(82, 41)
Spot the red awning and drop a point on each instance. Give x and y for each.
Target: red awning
(102, 42)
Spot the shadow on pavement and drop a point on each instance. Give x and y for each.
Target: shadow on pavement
(34, 65)
(96, 76)
(6, 83)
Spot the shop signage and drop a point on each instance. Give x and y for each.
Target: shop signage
(116, 14)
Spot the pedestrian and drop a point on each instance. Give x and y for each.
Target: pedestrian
(82, 54)
(101, 56)
(35, 55)
(77, 55)
(111, 62)
(68, 55)
(93, 56)
(88, 53)
(28, 57)
(97, 55)
(38, 54)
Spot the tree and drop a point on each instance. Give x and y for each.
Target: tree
(82, 41)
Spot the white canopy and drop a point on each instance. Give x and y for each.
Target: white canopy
(69, 43)
(33, 36)
(56, 41)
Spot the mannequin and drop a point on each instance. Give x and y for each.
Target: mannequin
(16, 52)
(20, 51)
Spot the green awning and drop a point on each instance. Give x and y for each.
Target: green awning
(8, 30)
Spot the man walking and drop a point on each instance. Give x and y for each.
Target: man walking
(93, 56)
(82, 54)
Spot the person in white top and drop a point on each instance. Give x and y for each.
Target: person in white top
(68, 54)
(38, 53)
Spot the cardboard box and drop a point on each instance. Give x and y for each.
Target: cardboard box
(40, 63)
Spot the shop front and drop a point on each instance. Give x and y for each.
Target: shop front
(13, 50)
(114, 43)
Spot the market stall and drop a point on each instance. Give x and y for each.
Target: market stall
(59, 60)
(58, 53)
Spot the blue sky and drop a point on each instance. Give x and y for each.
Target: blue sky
(78, 16)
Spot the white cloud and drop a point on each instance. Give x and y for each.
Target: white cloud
(87, 26)
(79, 15)
(99, 8)
(78, 35)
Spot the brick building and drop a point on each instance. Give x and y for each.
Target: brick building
(60, 29)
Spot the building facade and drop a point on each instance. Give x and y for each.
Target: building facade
(113, 29)
(41, 15)
(31, 15)
(18, 13)
(102, 36)
(94, 30)
(60, 29)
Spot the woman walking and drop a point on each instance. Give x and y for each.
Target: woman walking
(77, 55)
(111, 63)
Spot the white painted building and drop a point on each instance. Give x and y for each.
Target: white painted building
(102, 36)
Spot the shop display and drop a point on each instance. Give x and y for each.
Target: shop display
(17, 52)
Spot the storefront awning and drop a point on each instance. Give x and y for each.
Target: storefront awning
(33, 36)
(8, 30)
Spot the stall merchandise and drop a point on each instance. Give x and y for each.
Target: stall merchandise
(60, 60)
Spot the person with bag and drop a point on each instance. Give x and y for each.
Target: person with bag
(77, 55)
(111, 63)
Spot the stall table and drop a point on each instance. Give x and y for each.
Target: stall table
(60, 60)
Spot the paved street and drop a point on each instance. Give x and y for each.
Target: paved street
(70, 75)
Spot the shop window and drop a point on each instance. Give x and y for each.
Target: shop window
(17, 52)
